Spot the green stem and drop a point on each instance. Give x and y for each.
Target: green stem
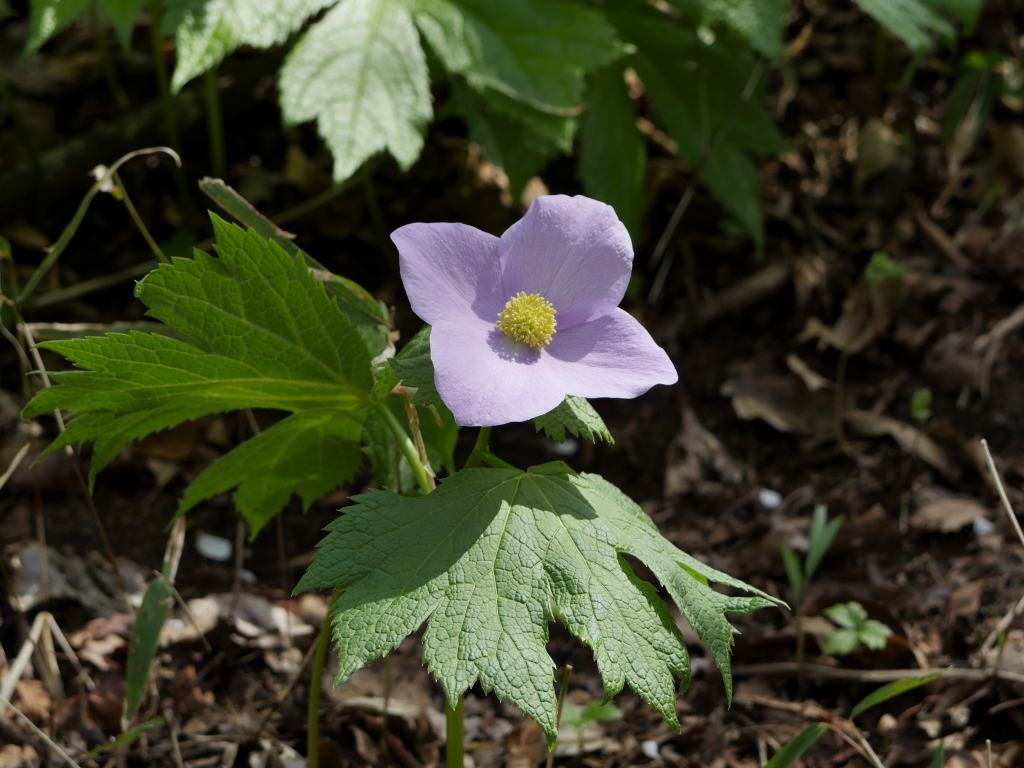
(313, 702)
(408, 448)
(482, 444)
(491, 460)
(163, 83)
(107, 60)
(54, 252)
(214, 122)
(139, 223)
(454, 735)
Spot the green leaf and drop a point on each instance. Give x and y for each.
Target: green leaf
(794, 749)
(521, 145)
(128, 737)
(361, 74)
(259, 332)
(857, 630)
(613, 158)
(48, 17)
(841, 642)
(910, 20)
(822, 534)
(143, 644)
(205, 31)
(308, 453)
(794, 572)
(939, 758)
(368, 314)
(850, 615)
(697, 91)
(874, 634)
(122, 14)
(576, 416)
(964, 11)
(414, 369)
(921, 405)
(761, 22)
(491, 558)
(890, 691)
(532, 51)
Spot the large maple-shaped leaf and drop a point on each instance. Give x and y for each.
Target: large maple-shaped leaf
(361, 74)
(492, 557)
(254, 329)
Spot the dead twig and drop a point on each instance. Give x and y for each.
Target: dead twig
(822, 672)
(1002, 492)
(57, 749)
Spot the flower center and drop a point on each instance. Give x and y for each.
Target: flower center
(528, 318)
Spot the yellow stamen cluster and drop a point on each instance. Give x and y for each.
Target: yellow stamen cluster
(528, 318)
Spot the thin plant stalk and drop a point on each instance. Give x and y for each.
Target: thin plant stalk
(562, 691)
(139, 223)
(107, 59)
(163, 82)
(214, 123)
(313, 701)
(426, 483)
(54, 252)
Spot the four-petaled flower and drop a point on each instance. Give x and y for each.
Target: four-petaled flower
(521, 321)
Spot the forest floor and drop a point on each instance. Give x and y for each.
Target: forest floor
(803, 378)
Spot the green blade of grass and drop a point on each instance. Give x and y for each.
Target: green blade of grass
(890, 691)
(796, 746)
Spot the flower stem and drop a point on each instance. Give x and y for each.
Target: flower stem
(482, 444)
(408, 448)
(214, 122)
(313, 701)
(454, 735)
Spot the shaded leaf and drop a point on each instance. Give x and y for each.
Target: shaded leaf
(613, 158)
(532, 51)
(575, 416)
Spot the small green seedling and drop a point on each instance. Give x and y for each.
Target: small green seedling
(921, 405)
(854, 629)
(820, 537)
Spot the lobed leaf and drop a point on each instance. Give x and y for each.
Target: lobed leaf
(206, 31)
(491, 558)
(257, 330)
(575, 416)
(361, 74)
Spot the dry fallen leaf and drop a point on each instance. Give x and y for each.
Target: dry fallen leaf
(947, 514)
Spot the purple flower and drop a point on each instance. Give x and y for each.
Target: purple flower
(523, 320)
